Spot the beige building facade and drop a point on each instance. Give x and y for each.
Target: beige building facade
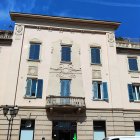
(69, 78)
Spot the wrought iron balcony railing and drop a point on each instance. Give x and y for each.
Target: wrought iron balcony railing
(65, 101)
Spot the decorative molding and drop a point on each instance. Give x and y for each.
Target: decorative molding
(51, 28)
(111, 37)
(65, 71)
(18, 31)
(33, 70)
(35, 40)
(94, 45)
(96, 74)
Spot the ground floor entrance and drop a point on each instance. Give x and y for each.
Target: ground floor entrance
(64, 130)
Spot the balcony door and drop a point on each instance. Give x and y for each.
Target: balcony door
(65, 91)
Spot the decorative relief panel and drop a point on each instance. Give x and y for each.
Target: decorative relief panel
(32, 70)
(111, 39)
(65, 71)
(96, 74)
(19, 31)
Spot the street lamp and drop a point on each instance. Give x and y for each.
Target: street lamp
(10, 112)
(13, 111)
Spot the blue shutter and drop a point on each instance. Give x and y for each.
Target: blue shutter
(34, 51)
(37, 51)
(33, 89)
(65, 87)
(133, 64)
(105, 91)
(62, 87)
(130, 93)
(95, 90)
(28, 87)
(95, 56)
(66, 54)
(31, 53)
(39, 88)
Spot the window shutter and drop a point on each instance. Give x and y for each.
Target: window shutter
(39, 88)
(66, 54)
(28, 87)
(92, 55)
(95, 90)
(68, 88)
(37, 51)
(95, 55)
(32, 50)
(62, 87)
(65, 87)
(105, 91)
(130, 92)
(33, 89)
(133, 64)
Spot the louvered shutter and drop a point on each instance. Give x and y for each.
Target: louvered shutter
(130, 93)
(28, 87)
(105, 91)
(39, 88)
(37, 51)
(95, 90)
(95, 55)
(66, 54)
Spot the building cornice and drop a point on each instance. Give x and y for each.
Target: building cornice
(75, 21)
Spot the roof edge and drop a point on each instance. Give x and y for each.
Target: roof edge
(19, 16)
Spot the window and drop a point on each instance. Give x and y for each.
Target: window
(99, 130)
(95, 56)
(65, 87)
(100, 91)
(133, 66)
(34, 88)
(34, 52)
(27, 130)
(134, 92)
(137, 128)
(66, 54)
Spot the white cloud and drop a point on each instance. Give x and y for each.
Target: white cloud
(109, 3)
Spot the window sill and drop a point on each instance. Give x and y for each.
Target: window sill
(100, 100)
(27, 97)
(137, 101)
(66, 62)
(96, 64)
(33, 60)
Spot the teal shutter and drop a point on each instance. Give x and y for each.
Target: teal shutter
(95, 90)
(28, 87)
(105, 91)
(39, 88)
(130, 93)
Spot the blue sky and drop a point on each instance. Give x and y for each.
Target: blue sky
(125, 11)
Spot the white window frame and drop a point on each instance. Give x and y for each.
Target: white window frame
(132, 57)
(31, 87)
(101, 90)
(136, 91)
(99, 47)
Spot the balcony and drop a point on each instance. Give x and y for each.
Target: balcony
(65, 104)
(6, 37)
(128, 43)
